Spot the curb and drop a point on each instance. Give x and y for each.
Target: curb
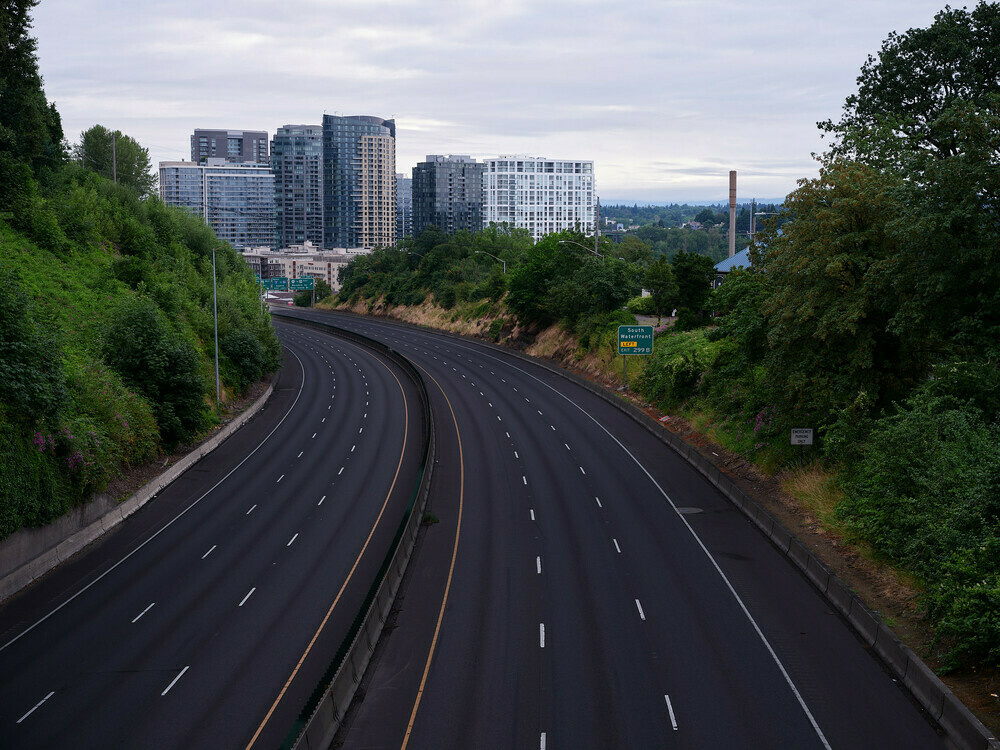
(958, 722)
(34, 567)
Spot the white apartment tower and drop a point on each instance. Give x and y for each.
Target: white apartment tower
(538, 194)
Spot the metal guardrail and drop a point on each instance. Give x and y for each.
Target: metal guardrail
(323, 713)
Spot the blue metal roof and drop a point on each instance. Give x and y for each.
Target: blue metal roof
(740, 260)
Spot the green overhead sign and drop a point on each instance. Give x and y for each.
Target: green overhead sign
(635, 339)
(278, 284)
(301, 284)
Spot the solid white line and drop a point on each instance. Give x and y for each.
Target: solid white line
(292, 539)
(670, 708)
(174, 681)
(341, 471)
(538, 565)
(301, 452)
(142, 613)
(36, 706)
(321, 500)
(247, 596)
(280, 478)
(251, 509)
(209, 552)
(616, 546)
(732, 590)
(598, 501)
(541, 635)
(532, 511)
(642, 614)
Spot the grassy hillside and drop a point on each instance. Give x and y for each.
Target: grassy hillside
(106, 338)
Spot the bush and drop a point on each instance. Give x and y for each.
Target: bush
(675, 371)
(641, 306)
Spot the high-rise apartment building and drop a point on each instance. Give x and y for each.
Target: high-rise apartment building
(538, 194)
(448, 193)
(404, 206)
(230, 145)
(297, 163)
(359, 182)
(236, 200)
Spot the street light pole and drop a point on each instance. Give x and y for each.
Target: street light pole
(215, 319)
(483, 252)
(572, 242)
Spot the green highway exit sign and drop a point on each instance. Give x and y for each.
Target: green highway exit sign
(300, 284)
(635, 339)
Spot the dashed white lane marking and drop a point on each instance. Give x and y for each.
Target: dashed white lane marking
(249, 593)
(321, 500)
(670, 709)
(134, 619)
(313, 437)
(553, 427)
(365, 416)
(209, 551)
(251, 509)
(280, 478)
(353, 447)
(498, 418)
(538, 565)
(582, 471)
(482, 394)
(525, 479)
(515, 455)
(292, 539)
(616, 546)
(567, 446)
(341, 471)
(642, 615)
(300, 455)
(35, 707)
(174, 681)
(491, 404)
(541, 635)
(540, 412)
(532, 512)
(541, 745)
(328, 409)
(508, 434)
(361, 430)
(598, 501)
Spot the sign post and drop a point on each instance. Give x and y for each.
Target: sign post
(633, 340)
(802, 436)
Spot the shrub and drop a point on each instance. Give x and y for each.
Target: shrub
(641, 306)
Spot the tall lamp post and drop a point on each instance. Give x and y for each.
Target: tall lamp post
(215, 320)
(589, 250)
(483, 252)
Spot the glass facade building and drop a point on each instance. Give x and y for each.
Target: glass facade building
(404, 206)
(236, 200)
(297, 163)
(229, 145)
(448, 193)
(359, 182)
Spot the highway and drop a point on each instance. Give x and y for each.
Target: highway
(585, 588)
(206, 619)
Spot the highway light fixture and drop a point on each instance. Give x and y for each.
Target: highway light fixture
(589, 250)
(483, 252)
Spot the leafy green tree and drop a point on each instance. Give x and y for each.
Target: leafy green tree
(662, 286)
(140, 345)
(692, 273)
(109, 153)
(634, 250)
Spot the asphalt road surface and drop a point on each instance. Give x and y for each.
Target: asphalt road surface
(207, 618)
(585, 588)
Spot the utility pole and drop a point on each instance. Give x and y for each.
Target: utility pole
(732, 213)
(114, 156)
(215, 318)
(597, 225)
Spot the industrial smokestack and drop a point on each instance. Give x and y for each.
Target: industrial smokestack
(732, 213)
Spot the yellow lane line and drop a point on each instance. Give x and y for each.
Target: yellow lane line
(451, 570)
(406, 427)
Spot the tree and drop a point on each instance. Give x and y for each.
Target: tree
(109, 153)
(692, 273)
(904, 94)
(662, 286)
(634, 250)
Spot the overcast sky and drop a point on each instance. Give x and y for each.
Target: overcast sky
(665, 96)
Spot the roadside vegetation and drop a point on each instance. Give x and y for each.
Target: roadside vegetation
(106, 330)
